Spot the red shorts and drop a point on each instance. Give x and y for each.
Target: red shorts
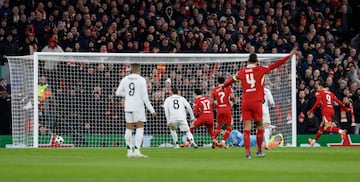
(224, 118)
(207, 120)
(328, 114)
(251, 111)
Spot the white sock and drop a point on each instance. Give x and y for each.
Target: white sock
(190, 136)
(267, 133)
(174, 136)
(139, 134)
(128, 139)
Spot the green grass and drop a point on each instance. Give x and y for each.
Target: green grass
(338, 164)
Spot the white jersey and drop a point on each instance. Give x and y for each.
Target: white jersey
(133, 88)
(175, 109)
(268, 101)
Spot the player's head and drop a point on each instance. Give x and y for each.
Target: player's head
(135, 68)
(221, 79)
(253, 58)
(198, 91)
(174, 90)
(322, 85)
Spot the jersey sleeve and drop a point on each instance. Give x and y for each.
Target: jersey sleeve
(146, 97)
(318, 99)
(196, 108)
(270, 98)
(120, 91)
(233, 79)
(213, 97)
(188, 109)
(166, 110)
(213, 93)
(277, 63)
(341, 104)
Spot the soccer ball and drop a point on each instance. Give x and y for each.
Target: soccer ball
(59, 140)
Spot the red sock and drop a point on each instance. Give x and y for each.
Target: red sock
(247, 141)
(216, 132)
(259, 138)
(227, 134)
(210, 130)
(52, 140)
(319, 133)
(332, 129)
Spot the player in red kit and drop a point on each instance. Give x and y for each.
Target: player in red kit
(252, 84)
(203, 113)
(325, 99)
(222, 102)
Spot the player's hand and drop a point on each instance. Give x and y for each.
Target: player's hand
(309, 114)
(272, 106)
(293, 51)
(153, 114)
(216, 104)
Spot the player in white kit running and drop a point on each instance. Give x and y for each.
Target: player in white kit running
(176, 109)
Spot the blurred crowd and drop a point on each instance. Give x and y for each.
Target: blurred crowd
(326, 32)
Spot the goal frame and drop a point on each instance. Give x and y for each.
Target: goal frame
(143, 61)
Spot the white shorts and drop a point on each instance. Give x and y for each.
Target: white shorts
(266, 118)
(135, 116)
(182, 125)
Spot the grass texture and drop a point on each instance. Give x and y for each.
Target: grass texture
(338, 164)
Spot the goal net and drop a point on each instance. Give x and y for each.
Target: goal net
(73, 95)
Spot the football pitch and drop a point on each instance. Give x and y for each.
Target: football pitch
(338, 164)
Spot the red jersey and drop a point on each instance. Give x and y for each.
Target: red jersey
(252, 80)
(222, 99)
(252, 83)
(326, 100)
(202, 107)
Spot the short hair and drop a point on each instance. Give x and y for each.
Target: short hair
(135, 67)
(174, 90)
(323, 84)
(198, 91)
(221, 79)
(253, 58)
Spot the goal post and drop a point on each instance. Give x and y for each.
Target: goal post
(73, 95)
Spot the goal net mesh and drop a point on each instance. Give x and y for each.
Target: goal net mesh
(76, 95)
